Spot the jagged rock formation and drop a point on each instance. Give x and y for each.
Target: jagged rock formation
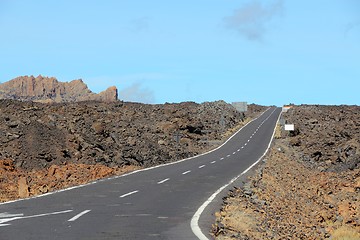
(49, 89)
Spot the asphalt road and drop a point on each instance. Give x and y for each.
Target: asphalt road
(157, 203)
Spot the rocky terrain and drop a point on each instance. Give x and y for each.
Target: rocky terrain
(45, 147)
(45, 89)
(309, 186)
(328, 137)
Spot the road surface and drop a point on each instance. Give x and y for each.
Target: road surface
(157, 203)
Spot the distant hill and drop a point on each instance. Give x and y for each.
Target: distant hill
(49, 89)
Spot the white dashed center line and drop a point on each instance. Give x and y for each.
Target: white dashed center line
(245, 144)
(234, 153)
(162, 181)
(186, 172)
(128, 194)
(221, 158)
(228, 156)
(213, 162)
(143, 215)
(201, 166)
(78, 216)
(238, 150)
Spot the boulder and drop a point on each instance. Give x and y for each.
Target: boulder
(23, 187)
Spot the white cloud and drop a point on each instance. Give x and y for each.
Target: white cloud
(139, 24)
(251, 19)
(352, 26)
(131, 87)
(136, 93)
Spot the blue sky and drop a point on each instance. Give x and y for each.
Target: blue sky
(265, 52)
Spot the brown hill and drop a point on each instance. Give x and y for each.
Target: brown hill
(49, 89)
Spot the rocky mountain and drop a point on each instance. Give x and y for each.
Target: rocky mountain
(49, 89)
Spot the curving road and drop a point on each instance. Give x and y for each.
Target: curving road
(156, 203)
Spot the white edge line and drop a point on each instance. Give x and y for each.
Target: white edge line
(136, 171)
(78, 215)
(128, 194)
(162, 181)
(194, 224)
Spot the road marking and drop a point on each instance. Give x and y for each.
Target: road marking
(222, 158)
(249, 140)
(162, 217)
(234, 153)
(251, 136)
(128, 194)
(228, 156)
(5, 220)
(74, 218)
(201, 166)
(238, 150)
(242, 147)
(143, 215)
(162, 181)
(213, 162)
(186, 172)
(194, 223)
(245, 144)
(10, 215)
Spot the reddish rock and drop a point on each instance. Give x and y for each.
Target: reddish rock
(7, 165)
(108, 95)
(47, 90)
(23, 188)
